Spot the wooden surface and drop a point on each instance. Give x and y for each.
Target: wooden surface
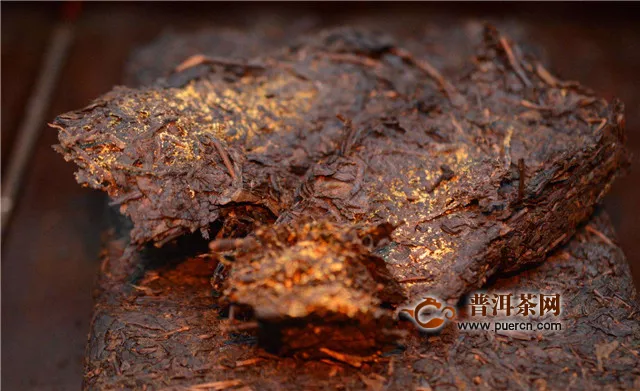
(49, 252)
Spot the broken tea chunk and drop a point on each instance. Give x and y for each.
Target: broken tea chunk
(483, 169)
(316, 286)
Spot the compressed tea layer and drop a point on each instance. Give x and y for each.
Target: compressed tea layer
(165, 331)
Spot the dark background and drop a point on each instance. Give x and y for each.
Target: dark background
(50, 251)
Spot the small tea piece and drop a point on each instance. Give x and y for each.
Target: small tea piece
(315, 287)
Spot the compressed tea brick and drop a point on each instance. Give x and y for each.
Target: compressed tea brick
(483, 171)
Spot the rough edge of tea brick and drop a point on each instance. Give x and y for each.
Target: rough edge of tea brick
(161, 328)
(160, 57)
